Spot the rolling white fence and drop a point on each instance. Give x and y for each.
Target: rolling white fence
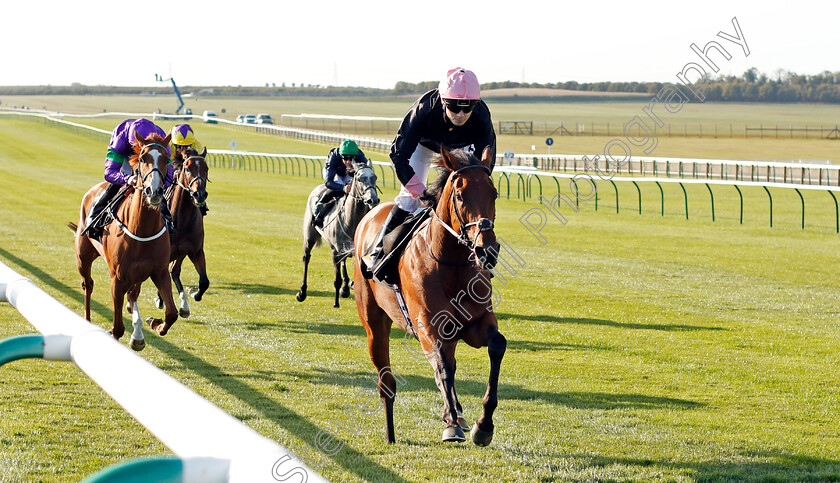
(211, 445)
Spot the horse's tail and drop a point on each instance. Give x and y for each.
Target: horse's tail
(72, 226)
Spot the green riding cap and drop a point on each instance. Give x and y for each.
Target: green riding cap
(348, 148)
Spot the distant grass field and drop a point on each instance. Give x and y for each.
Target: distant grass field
(641, 347)
(615, 113)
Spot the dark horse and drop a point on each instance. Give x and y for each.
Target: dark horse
(339, 227)
(444, 277)
(135, 245)
(187, 196)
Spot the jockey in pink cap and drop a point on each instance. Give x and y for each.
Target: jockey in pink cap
(454, 116)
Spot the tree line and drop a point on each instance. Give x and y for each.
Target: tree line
(752, 86)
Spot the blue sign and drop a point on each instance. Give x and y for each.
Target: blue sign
(549, 141)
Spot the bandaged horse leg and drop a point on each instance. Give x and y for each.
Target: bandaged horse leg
(137, 340)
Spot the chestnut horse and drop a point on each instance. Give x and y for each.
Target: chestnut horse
(187, 196)
(444, 279)
(135, 245)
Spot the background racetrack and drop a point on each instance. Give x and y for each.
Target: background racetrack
(641, 347)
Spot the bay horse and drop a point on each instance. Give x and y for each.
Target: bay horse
(135, 245)
(444, 290)
(339, 227)
(186, 197)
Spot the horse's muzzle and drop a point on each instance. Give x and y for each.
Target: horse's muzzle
(199, 198)
(487, 257)
(154, 196)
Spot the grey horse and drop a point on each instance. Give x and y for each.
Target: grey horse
(339, 227)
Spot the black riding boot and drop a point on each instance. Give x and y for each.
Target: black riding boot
(322, 207)
(167, 217)
(93, 225)
(374, 255)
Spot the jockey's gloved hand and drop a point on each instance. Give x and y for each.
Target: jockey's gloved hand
(428, 198)
(131, 180)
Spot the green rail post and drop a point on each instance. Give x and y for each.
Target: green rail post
(803, 206)
(577, 194)
(507, 179)
(836, 213)
(640, 197)
(616, 195)
(686, 200)
(520, 178)
(661, 198)
(557, 182)
(596, 193)
(538, 182)
(21, 347)
(712, 195)
(771, 203)
(742, 203)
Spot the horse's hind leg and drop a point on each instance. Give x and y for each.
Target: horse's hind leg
(183, 297)
(345, 288)
(200, 265)
(85, 255)
(309, 239)
(378, 328)
(137, 340)
(164, 286)
(118, 291)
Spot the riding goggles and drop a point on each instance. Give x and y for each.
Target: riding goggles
(457, 105)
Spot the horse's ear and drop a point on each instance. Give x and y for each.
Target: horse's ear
(448, 160)
(204, 152)
(488, 157)
(140, 141)
(167, 139)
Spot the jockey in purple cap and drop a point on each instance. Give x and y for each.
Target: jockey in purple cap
(454, 116)
(118, 171)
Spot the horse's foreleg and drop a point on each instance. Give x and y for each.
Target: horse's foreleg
(175, 272)
(137, 340)
(200, 265)
(164, 286)
(337, 282)
(482, 431)
(345, 288)
(443, 363)
(118, 298)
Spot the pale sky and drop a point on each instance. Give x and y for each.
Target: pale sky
(377, 43)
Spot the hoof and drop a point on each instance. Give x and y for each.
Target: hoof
(137, 345)
(128, 308)
(481, 437)
(159, 303)
(114, 335)
(463, 423)
(183, 313)
(157, 325)
(335, 305)
(453, 434)
(345, 292)
(194, 293)
(300, 296)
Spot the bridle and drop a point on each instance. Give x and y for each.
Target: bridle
(483, 224)
(188, 187)
(144, 152)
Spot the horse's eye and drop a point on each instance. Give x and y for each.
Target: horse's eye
(459, 197)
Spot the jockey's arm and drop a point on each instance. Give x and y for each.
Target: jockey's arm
(113, 165)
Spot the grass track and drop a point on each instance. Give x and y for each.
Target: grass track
(642, 348)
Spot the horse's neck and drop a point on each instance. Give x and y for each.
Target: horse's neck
(353, 210)
(183, 209)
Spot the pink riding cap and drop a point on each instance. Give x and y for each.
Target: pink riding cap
(459, 84)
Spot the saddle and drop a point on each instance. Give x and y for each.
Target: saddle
(393, 246)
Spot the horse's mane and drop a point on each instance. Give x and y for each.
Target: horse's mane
(436, 187)
(154, 138)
